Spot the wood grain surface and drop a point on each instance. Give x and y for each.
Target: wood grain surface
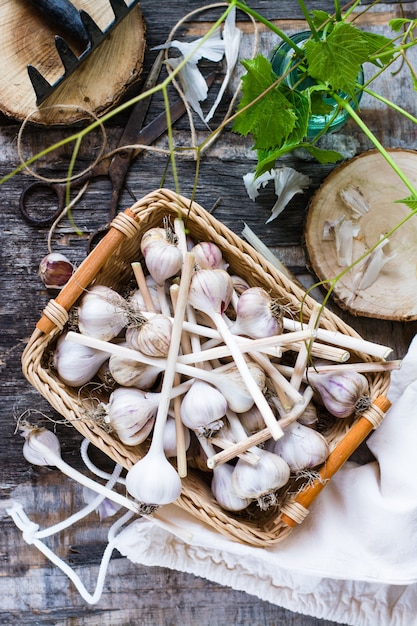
(32, 591)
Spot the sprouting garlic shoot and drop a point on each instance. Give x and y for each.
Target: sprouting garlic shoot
(41, 446)
(102, 313)
(202, 408)
(301, 447)
(55, 270)
(260, 482)
(151, 337)
(342, 393)
(76, 364)
(257, 314)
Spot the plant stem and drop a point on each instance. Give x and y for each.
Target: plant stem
(309, 21)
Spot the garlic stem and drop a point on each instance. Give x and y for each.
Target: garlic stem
(261, 436)
(242, 366)
(323, 351)
(246, 345)
(286, 392)
(340, 339)
(303, 355)
(143, 287)
(372, 366)
(225, 444)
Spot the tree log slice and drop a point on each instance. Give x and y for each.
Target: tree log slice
(94, 87)
(393, 293)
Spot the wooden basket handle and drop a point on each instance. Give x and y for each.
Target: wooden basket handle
(295, 511)
(120, 228)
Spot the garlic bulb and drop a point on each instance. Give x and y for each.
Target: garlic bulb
(301, 447)
(151, 337)
(170, 438)
(309, 417)
(234, 389)
(153, 481)
(211, 290)
(239, 284)
(41, 446)
(257, 314)
(128, 373)
(221, 487)
(260, 482)
(162, 256)
(76, 364)
(208, 255)
(342, 393)
(252, 420)
(131, 414)
(136, 300)
(102, 313)
(202, 408)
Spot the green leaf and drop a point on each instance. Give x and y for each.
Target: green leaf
(323, 156)
(321, 17)
(411, 202)
(400, 23)
(337, 59)
(379, 44)
(271, 118)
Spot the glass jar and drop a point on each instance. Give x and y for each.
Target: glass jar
(283, 58)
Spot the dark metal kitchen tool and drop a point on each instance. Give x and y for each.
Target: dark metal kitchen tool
(79, 25)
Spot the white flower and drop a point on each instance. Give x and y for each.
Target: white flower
(193, 84)
(212, 48)
(287, 183)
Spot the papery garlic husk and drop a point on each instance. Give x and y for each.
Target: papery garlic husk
(202, 408)
(136, 300)
(152, 338)
(207, 255)
(128, 373)
(162, 256)
(301, 447)
(257, 314)
(55, 270)
(41, 445)
(342, 393)
(76, 364)
(170, 438)
(153, 480)
(221, 487)
(260, 482)
(102, 313)
(131, 414)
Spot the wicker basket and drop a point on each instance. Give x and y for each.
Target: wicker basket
(110, 264)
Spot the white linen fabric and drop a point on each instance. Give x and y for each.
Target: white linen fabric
(354, 558)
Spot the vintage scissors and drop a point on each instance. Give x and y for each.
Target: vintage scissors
(114, 168)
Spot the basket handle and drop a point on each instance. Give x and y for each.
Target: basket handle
(123, 225)
(295, 511)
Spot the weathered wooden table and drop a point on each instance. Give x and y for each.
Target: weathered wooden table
(33, 591)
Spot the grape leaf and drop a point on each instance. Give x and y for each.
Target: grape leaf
(400, 22)
(321, 17)
(323, 156)
(337, 59)
(379, 44)
(411, 202)
(272, 118)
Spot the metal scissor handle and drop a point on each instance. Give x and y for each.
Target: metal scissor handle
(56, 189)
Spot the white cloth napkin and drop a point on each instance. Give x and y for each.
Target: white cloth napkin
(354, 558)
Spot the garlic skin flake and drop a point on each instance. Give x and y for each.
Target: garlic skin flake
(354, 199)
(344, 232)
(373, 265)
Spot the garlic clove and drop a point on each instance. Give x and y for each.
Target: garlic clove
(342, 393)
(76, 364)
(102, 313)
(55, 270)
(301, 447)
